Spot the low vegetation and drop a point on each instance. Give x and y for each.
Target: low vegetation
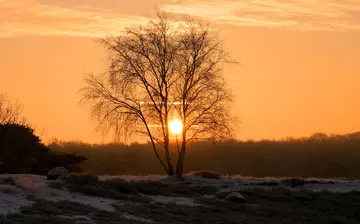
(120, 189)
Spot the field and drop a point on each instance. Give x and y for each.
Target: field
(159, 199)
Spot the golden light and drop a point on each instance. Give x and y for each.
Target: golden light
(175, 127)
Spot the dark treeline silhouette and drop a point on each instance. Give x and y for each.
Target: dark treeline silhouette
(319, 155)
(21, 151)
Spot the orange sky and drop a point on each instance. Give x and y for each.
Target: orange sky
(300, 70)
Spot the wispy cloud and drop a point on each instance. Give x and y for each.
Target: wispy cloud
(96, 18)
(297, 14)
(29, 17)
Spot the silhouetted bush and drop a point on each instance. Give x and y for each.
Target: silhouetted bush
(21, 151)
(319, 155)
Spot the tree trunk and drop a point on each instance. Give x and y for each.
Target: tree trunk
(167, 151)
(171, 171)
(181, 159)
(170, 168)
(166, 169)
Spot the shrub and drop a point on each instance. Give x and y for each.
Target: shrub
(21, 151)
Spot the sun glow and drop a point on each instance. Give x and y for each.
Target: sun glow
(175, 127)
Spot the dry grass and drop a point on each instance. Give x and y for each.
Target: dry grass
(122, 190)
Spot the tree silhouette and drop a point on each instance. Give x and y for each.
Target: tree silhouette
(10, 112)
(21, 151)
(157, 72)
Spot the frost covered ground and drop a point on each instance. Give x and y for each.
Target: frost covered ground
(158, 199)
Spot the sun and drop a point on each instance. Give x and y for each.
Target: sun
(175, 127)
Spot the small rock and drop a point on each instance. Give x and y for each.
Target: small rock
(58, 173)
(235, 197)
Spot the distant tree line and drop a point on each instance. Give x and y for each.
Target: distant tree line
(319, 155)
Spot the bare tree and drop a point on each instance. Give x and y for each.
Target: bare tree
(163, 69)
(10, 112)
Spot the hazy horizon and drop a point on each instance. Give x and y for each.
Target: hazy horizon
(299, 71)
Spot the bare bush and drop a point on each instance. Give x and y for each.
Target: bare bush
(10, 112)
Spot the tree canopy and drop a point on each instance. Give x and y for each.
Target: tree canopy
(163, 71)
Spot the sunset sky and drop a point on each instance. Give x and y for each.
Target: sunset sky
(299, 71)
